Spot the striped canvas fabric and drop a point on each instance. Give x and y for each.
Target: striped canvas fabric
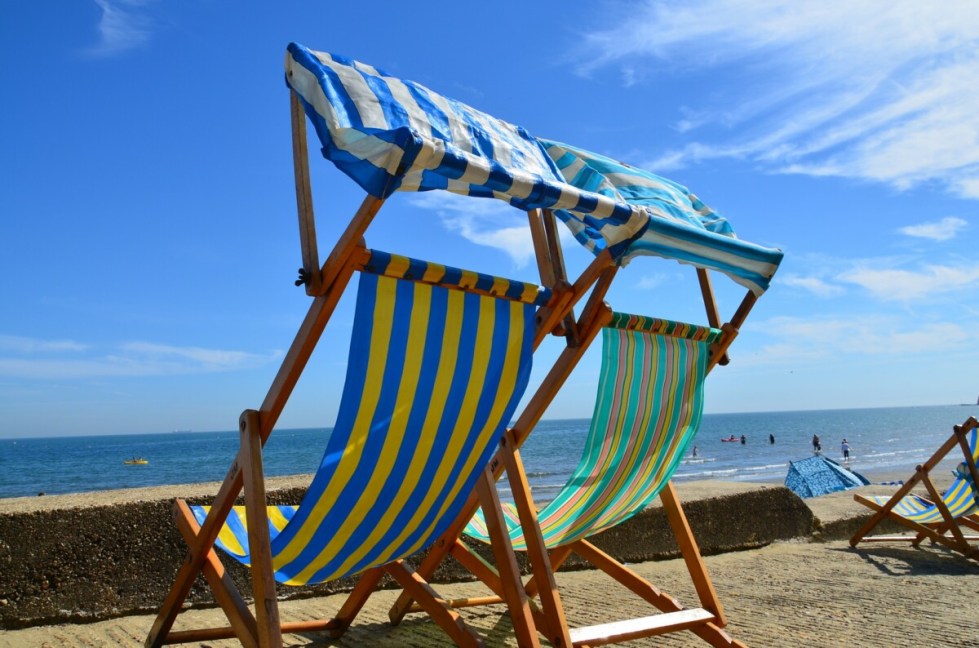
(389, 134)
(402, 267)
(679, 225)
(960, 497)
(434, 374)
(649, 406)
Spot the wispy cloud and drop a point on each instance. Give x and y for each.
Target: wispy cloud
(943, 230)
(491, 223)
(870, 90)
(909, 285)
(814, 285)
(651, 281)
(28, 358)
(22, 345)
(799, 339)
(123, 26)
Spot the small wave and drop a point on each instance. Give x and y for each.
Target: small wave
(765, 467)
(717, 473)
(897, 453)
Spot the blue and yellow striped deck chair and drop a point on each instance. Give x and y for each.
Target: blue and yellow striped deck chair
(939, 517)
(438, 361)
(648, 408)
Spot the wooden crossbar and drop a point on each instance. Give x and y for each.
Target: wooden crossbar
(618, 631)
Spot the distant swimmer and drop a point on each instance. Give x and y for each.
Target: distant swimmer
(815, 443)
(744, 439)
(771, 439)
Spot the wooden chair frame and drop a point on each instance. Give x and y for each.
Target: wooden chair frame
(326, 284)
(948, 533)
(548, 615)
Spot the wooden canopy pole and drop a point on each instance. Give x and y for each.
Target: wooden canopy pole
(304, 197)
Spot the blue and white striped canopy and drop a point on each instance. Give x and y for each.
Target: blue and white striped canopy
(391, 135)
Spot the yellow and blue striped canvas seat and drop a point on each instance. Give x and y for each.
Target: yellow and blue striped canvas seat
(439, 358)
(649, 407)
(959, 497)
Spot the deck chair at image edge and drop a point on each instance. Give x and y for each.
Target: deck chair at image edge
(940, 517)
(649, 407)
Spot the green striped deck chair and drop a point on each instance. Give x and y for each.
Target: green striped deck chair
(939, 517)
(648, 408)
(439, 358)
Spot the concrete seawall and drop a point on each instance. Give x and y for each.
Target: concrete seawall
(96, 556)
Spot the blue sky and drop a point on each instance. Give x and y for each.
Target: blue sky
(149, 232)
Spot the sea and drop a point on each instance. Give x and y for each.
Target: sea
(883, 441)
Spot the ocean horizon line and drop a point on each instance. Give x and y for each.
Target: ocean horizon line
(229, 430)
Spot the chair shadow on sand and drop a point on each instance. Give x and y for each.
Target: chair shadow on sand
(931, 560)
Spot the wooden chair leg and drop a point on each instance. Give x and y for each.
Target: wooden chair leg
(558, 556)
(949, 522)
(259, 543)
(365, 586)
(556, 629)
(479, 568)
(691, 553)
(436, 607)
(437, 553)
(222, 587)
(626, 577)
(506, 562)
(198, 549)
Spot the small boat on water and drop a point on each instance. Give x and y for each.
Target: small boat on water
(136, 461)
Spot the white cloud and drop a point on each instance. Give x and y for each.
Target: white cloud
(943, 230)
(871, 90)
(487, 222)
(17, 344)
(814, 285)
(909, 285)
(802, 339)
(651, 281)
(27, 358)
(122, 27)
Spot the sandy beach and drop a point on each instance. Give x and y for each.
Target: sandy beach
(813, 590)
(823, 595)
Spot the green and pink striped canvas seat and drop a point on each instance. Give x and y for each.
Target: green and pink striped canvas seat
(649, 407)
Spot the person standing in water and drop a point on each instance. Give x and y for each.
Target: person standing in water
(744, 439)
(815, 443)
(771, 439)
(846, 451)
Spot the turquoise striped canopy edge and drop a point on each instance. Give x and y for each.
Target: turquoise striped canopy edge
(389, 134)
(679, 225)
